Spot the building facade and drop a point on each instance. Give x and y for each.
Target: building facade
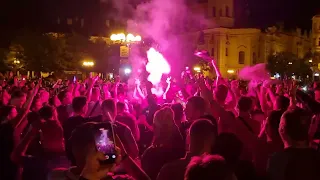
(234, 47)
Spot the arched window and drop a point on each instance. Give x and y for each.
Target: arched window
(254, 58)
(241, 57)
(213, 11)
(227, 11)
(220, 12)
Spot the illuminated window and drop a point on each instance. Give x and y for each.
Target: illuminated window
(69, 21)
(213, 11)
(254, 58)
(107, 23)
(227, 11)
(241, 57)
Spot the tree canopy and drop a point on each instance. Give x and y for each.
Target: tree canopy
(52, 52)
(287, 64)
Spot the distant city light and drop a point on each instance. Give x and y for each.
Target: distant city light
(230, 71)
(111, 75)
(128, 38)
(127, 71)
(305, 88)
(316, 74)
(88, 63)
(16, 62)
(310, 60)
(290, 63)
(197, 69)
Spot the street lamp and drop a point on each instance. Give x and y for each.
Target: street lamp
(230, 71)
(16, 62)
(127, 71)
(197, 69)
(88, 63)
(125, 38)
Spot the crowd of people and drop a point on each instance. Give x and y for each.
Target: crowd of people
(192, 130)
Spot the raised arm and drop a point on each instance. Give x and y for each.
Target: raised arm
(168, 87)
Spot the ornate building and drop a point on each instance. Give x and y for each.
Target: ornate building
(316, 33)
(235, 48)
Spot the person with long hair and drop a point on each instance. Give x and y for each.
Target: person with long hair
(167, 144)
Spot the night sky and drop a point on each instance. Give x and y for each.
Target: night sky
(292, 12)
(40, 14)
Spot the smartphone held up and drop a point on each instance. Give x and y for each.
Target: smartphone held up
(105, 143)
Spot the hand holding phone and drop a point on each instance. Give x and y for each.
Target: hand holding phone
(105, 143)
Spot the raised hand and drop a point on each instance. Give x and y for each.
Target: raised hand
(137, 82)
(168, 80)
(93, 169)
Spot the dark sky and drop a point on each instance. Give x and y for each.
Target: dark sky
(15, 14)
(292, 12)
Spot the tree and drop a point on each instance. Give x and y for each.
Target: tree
(47, 52)
(287, 64)
(33, 51)
(99, 51)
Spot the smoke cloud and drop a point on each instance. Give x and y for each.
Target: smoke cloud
(163, 22)
(257, 72)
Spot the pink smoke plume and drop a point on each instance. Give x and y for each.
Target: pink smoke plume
(257, 72)
(157, 66)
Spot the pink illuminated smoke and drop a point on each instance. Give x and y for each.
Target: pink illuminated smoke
(157, 66)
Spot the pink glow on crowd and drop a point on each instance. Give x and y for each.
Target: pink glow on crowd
(157, 66)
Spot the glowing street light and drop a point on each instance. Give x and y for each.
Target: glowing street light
(128, 38)
(230, 71)
(310, 60)
(88, 63)
(127, 71)
(197, 69)
(16, 62)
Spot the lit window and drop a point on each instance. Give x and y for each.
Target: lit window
(213, 11)
(241, 57)
(107, 23)
(227, 11)
(69, 21)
